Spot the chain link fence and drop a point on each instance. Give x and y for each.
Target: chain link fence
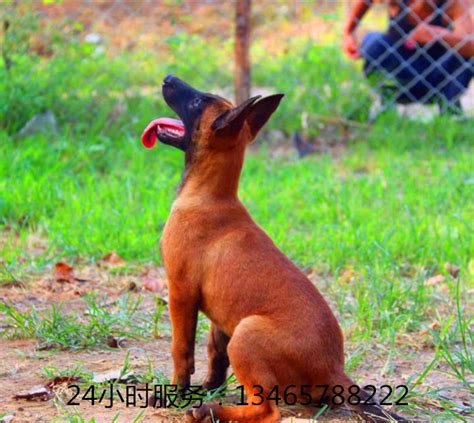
(98, 65)
(424, 56)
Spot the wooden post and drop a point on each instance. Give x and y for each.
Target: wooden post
(241, 50)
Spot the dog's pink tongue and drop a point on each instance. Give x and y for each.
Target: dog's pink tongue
(149, 134)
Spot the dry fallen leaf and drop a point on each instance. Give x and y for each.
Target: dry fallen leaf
(115, 341)
(38, 393)
(132, 287)
(153, 285)
(58, 380)
(452, 269)
(113, 259)
(12, 284)
(423, 332)
(153, 282)
(44, 393)
(434, 280)
(65, 273)
(48, 346)
(434, 325)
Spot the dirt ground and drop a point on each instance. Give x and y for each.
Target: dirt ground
(21, 361)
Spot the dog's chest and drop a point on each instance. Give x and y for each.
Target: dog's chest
(194, 229)
(184, 237)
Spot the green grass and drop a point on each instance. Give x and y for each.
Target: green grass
(390, 212)
(56, 328)
(92, 92)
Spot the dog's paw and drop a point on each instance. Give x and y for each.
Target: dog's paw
(211, 385)
(200, 414)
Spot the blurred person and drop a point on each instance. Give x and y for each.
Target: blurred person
(425, 55)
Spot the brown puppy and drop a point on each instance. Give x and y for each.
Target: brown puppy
(268, 319)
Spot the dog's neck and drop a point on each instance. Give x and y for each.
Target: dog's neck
(212, 175)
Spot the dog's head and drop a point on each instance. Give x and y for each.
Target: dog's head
(207, 121)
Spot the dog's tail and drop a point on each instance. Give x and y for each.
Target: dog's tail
(367, 406)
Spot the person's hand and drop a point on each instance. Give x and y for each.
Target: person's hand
(424, 33)
(350, 47)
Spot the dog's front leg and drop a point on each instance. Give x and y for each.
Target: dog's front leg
(183, 322)
(218, 358)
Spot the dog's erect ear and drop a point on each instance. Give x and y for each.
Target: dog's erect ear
(256, 113)
(262, 111)
(232, 120)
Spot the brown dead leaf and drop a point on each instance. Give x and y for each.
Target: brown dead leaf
(423, 332)
(48, 346)
(113, 259)
(65, 273)
(12, 284)
(423, 339)
(58, 380)
(132, 287)
(434, 280)
(434, 325)
(153, 285)
(452, 269)
(153, 282)
(115, 342)
(44, 393)
(38, 393)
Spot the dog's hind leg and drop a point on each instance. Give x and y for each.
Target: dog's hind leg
(250, 354)
(218, 358)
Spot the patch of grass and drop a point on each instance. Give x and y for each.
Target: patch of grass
(376, 222)
(88, 90)
(453, 346)
(56, 328)
(7, 277)
(93, 91)
(51, 372)
(460, 356)
(76, 416)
